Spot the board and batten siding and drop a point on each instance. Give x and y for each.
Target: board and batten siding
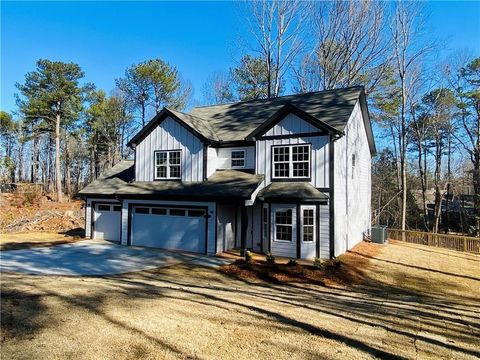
(170, 135)
(292, 125)
(352, 200)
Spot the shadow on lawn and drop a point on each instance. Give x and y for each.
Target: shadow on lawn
(408, 314)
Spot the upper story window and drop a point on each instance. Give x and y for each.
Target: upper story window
(167, 164)
(291, 161)
(238, 158)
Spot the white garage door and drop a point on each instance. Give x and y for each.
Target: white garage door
(169, 228)
(107, 222)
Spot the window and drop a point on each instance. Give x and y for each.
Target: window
(117, 208)
(167, 164)
(354, 162)
(308, 225)
(238, 158)
(142, 210)
(177, 212)
(196, 213)
(291, 161)
(283, 224)
(104, 207)
(159, 211)
(265, 221)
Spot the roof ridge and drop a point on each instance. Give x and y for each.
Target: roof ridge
(279, 97)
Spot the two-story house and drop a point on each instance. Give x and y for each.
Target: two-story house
(289, 175)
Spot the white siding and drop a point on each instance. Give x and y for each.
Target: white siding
(170, 135)
(324, 231)
(290, 125)
(319, 149)
(352, 196)
(211, 160)
(211, 235)
(224, 157)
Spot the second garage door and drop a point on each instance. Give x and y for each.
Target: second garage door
(169, 228)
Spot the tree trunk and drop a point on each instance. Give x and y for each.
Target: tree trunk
(58, 174)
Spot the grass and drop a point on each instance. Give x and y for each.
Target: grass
(397, 301)
(27, 240)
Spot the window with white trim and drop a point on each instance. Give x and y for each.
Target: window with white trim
(308, 229)
(167, 164)
(291, 161)
(283, 224)
(238, 158)
(265, 221)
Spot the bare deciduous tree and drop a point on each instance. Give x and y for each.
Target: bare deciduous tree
(350, 49)
(277, 29)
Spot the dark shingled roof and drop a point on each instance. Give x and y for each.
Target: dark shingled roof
(291, 191)
(111, 180)
(238, 120)
(223, 184)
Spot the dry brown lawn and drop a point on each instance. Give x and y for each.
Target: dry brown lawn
(395, 301)
(26, 240)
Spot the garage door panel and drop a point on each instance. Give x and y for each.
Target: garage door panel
(107, 222)
(155, 229)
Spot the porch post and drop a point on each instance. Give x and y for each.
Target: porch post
(243, 230)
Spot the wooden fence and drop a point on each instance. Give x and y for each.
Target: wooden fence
(447, 241)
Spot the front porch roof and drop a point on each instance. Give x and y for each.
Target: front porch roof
(230, 185)
(292, 191)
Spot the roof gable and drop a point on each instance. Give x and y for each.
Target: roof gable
(283, 113)
(196, 126)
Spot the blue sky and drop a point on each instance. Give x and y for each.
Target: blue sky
(197, 37)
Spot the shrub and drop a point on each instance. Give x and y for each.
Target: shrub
(317, 264)
(292, 262)
(248, 257)
(270, 258)
(332, 264)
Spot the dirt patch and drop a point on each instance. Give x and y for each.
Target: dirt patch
(39, 214)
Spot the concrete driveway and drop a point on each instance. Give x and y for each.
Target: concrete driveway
(94, 257)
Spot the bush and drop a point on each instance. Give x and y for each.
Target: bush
(248, 257)
(292, 262)
(332, 264)
(270, 258)
(317, 264)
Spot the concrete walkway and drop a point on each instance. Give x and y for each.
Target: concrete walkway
(94, 257)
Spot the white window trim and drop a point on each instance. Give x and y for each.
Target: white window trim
(292, 225)
(291, 161)
(244, 158)
(314, 208)
(167, 165)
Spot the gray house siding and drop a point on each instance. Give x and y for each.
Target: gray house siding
(170, 135)
(292, 125)
(352, 184)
